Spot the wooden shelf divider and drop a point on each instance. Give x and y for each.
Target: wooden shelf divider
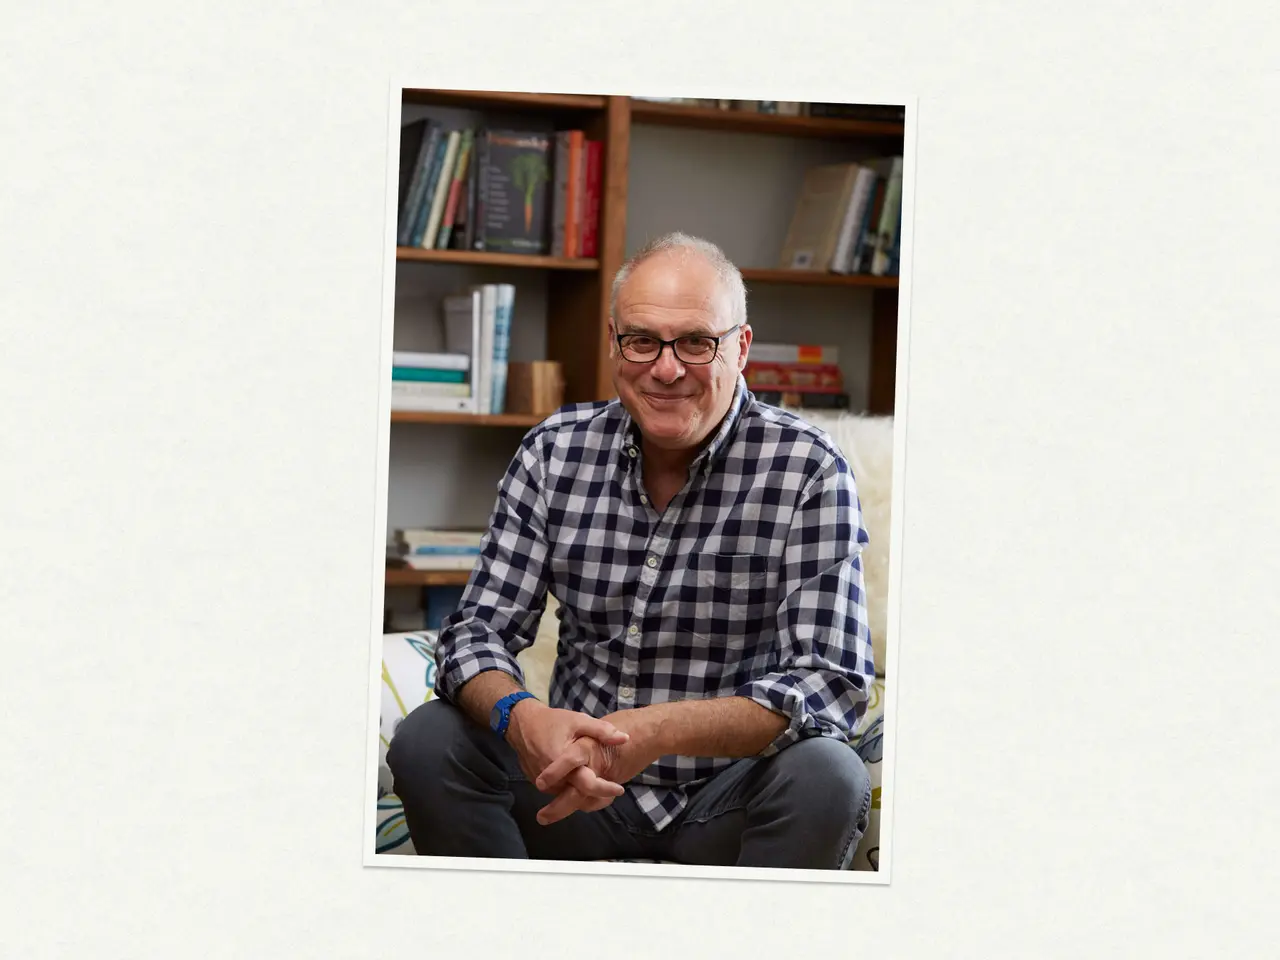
(409, 577)
(818, 278)
(479, 258)
(469, 419)
(743, 121)
(496, 99)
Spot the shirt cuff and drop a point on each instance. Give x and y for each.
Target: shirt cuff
(466, 660)
(788, 694)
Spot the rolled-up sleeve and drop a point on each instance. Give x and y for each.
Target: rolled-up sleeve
(825, 663)
(506, 593)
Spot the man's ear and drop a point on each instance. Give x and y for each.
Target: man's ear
(613, 341)
(744, 346)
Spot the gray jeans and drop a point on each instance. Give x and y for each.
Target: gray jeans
(464, 795)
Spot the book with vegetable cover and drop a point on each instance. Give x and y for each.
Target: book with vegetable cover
(514, 178)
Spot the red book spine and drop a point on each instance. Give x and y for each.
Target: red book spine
(591, 214)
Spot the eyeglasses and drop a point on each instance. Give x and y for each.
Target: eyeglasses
(694, 349)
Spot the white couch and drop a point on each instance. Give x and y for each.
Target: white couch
(408, 667)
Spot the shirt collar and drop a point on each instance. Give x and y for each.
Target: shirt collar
(629, 445)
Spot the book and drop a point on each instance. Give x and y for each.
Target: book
(514, 191)
(803, 399)
(423, 389)
(417, 186)
(440, 194)
(435, 361)
(866, 244)
(430, 181)
(412, 136)
(484, 368)
(461, 318)
(428, 375)
(889, 216)
(593, 182)
(560, 194)
(793, 353)
(815, 226)
(456, 188)
(406, 537)
(504, 305)
(820, 377)
(411, 397)
(854, 214)
(571, 193)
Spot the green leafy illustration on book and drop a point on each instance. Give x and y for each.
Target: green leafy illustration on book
(512, 194)
(528, 172)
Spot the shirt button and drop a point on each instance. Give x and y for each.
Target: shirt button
(652, 561)
(644, 499)
(633, 629)
(631, 451)
(626, 693)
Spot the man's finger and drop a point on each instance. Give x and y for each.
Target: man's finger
(601, 730)
(591, 785)
(571, 769)
(559, 808)
(553, 773)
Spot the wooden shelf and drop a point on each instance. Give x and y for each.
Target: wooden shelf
(409, 577)
(494, 99)
(476, 258)
(525, 420)
(817, 278)
(742, 121)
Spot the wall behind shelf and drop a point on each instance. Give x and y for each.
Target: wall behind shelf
(739, 190)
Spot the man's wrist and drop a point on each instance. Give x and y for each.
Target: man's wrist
(520, 712)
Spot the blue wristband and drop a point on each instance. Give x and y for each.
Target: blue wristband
(500, 717)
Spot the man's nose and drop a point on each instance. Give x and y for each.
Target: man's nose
(667, 367)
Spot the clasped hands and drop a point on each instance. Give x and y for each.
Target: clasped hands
(580, 759)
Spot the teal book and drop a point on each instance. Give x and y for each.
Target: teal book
(428, 375)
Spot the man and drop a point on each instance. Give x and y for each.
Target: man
(714, 654)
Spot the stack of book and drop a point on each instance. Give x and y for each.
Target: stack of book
(506, 191)
(796, 375)
(470, 376)
(437, 382)
(433, 549)
(848, 219)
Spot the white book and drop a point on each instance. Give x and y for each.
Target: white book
(842, 262)
(442, 189)
(441, 561)
(408, 400)
(418, 388)
(505, 297)
(432, 361)
(484, 373)
(793, 353)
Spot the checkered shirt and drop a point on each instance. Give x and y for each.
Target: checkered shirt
(749, 584)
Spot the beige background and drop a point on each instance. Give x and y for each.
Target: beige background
(191, 274)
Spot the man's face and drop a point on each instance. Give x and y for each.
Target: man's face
(675, 294)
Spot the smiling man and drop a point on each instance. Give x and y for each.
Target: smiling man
(714, 654)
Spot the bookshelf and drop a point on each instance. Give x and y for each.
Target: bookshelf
(705, 118)
(572, 293)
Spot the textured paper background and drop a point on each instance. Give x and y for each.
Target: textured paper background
(192, 280)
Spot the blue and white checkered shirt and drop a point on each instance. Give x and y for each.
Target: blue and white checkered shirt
(749, 584)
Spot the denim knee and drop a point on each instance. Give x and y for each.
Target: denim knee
(827, 783)
(423, 739)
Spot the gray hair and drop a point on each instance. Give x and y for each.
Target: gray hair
(729, 275)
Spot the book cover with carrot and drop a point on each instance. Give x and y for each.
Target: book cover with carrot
(516, 186)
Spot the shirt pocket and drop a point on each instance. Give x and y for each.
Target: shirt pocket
(732, 596)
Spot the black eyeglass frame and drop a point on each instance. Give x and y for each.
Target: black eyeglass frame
(663, 344)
